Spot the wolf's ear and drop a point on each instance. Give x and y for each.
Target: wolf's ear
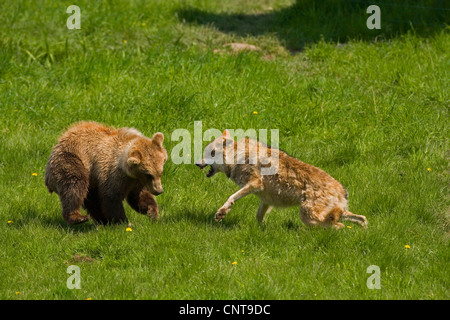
(227, 142)
(226, 134)
(226, 138)
(134, 158)
(158, 139)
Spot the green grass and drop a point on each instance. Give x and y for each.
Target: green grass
(369, 107)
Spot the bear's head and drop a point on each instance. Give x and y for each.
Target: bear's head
(145, 161)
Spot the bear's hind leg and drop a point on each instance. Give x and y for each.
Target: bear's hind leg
(71, 211)
(73, 182)
(72, 198)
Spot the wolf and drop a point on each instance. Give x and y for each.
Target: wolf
(323, 201)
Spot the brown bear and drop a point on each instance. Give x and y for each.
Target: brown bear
(97, 167)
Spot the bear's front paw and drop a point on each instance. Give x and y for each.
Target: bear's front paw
(153, 212)
(220, 214)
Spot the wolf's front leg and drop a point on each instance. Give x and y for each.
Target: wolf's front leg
(247, 189)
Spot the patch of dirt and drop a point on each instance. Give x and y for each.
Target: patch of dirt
(237, 47)
(78, 258)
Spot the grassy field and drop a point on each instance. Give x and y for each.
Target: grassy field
(370, 107)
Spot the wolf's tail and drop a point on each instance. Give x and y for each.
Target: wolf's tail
(347, 215)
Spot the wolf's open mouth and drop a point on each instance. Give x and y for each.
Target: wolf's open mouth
(203, 166)
(210, 172)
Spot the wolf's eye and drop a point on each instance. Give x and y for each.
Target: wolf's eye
(213, 153)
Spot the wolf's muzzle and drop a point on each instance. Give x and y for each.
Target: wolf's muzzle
(201, 164)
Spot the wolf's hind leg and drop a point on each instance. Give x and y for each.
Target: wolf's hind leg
(306, 216)
(262, 210)
(330, 218)
(361, 220)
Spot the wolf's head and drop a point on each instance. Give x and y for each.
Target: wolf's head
(216, 154)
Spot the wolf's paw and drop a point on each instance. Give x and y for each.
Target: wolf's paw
(221, 213)
(364, 223)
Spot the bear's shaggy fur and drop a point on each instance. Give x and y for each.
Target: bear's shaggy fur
(97, 167)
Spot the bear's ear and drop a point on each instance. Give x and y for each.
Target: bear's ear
(134, 158)
(158, 139)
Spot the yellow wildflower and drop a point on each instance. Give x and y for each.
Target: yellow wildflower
(255, 112)
(234, 263)
(34, 174)
(128, 229)
(428, 169)
(10, 222)
(407, 246)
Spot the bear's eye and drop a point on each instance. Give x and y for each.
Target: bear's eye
(148, 176)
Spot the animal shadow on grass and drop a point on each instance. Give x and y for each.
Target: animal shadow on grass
(201, 217)
(31, 216)
(309, 21)
(233, 220)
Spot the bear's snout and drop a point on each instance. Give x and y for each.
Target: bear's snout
(156, 187)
